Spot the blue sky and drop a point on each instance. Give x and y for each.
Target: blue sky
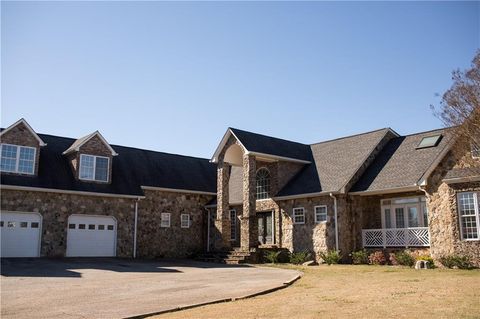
(172, 76)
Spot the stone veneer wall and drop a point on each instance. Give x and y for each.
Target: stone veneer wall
(444, 221)
(20, 135)
(55, 209)
(154, 241)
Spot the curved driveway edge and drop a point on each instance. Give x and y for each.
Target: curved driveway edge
(259, 293)
(118, 288)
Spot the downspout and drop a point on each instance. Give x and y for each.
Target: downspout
(135, 229)
(208, 230)
(335, 219)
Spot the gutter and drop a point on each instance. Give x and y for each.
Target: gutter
(304, 195)
(336, 219)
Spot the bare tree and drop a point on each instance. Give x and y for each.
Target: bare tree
(460, 105)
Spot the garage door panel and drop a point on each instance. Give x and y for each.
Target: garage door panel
(91, 236)
(20, 234)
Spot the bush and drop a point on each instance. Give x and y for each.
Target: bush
(377, 258)
(428, 259)
(404, 258)
(360, 257)
(300, 257)
(331, 256)
(456, 261)
(272, 256)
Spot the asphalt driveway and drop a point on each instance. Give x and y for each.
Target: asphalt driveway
(116, 288)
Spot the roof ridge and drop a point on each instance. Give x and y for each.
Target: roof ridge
(277, 138)
(354, 135)
(130, 147)
(429, 131)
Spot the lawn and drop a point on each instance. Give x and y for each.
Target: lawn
(359, 291)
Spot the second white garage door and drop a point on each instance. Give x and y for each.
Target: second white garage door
(91, 236)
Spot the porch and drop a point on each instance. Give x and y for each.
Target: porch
(396, 237)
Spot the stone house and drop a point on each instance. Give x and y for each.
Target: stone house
(379, 190)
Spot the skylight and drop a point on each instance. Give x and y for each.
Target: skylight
(429, 141)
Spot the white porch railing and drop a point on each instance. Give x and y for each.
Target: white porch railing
(396, 237)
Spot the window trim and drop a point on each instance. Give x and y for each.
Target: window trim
(162, 220)
(477, 215)
(326, 214)
(181, 221)
(269, 183)
(294, 215)
(17, 159)
(94, 168)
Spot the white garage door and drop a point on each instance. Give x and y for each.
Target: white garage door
(91, 236)
(20, 234)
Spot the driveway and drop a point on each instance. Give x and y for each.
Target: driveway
(117, 288)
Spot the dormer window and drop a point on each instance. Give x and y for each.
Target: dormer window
(17, 159)
(94, 168)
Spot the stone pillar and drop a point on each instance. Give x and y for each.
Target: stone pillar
(249, 228)
(222, 222)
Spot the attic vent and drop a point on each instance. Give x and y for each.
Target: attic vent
(429, 141)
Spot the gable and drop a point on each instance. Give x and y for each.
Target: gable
(93, 142)
(21, 133)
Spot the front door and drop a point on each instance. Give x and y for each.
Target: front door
(265, 228)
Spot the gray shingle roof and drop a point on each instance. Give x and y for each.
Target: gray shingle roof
(335, 163)
(463, 172)
(400, 163)
(259, 143)
(131, 169)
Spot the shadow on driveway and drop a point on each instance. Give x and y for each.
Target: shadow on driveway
(65, 267)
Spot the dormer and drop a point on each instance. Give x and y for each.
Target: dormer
(20, 149)
(91, 158)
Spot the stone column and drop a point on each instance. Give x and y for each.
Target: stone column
(249, 228)
(222, 222)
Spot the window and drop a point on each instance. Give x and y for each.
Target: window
(299, 215)
(71, 226)
(1, 223)
(399, 217)
(23, 224)
(93, 168)
(17, 159)
(11, 224)
(404, 212)
(110, 227)
(475, 150)
(320, 214)
(91, 227)
(185, 220)
(233, 224)
(34, 225)
(469, 216)
(263, 183)
(101, 227)
(429, 141)
(165, 221)
(81, 226)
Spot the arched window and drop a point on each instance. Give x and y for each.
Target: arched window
(263, 183)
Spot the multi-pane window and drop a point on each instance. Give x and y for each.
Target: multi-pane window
(299, 215)
(233, 224)
(17, 159)
(469, 216)
(185, 220)
(263, 183)
(320, 214)
(165, 220)
(94, 168)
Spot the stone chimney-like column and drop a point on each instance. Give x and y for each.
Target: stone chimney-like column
(249, 228)
(222, 222)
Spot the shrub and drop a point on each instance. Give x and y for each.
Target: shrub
(404, 258)
(331, 256)
(456, 261)
(360, 257)
(393, 259)
(377, 258)
(428, 259)
(300, 257)
(272, 256)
